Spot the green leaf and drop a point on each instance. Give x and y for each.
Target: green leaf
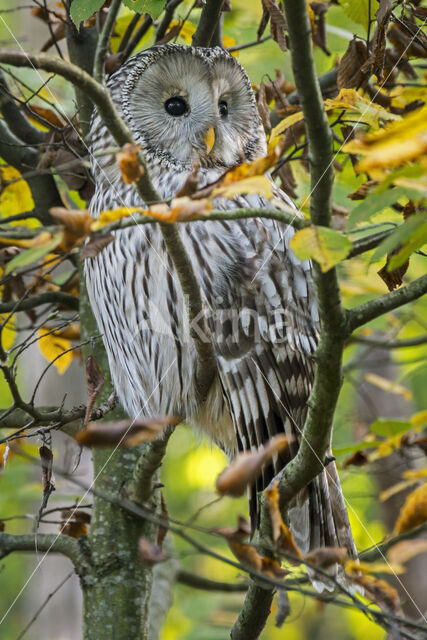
(389, 428)
(412, 235)
(358, 11)
(324, 245)
(153, 7)
(354, 448)
(32, 255)
(374, 203)
(84, 9)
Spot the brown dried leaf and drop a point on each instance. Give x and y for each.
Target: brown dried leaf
(394, 278)
(150, 553)
(94, 382)
(58, 34)
(326, 556)
(124, 433)
(403, 551)
(350, 72)
(96, 245)
(46, 456)
(49, 115)
(76, 223)
(380, 591)
(191, 183)
(241, 532)
(357, 459)
(247, 466)
(128, 162)
(377, 57)
(74, 529)
(414, 511)
(246, 554)
(277, 23)
(76, 514)
(287, 180)
(363, 191)
(319, 10)
(2, 526)
(262, 105)
(272, 568)
(185, 208)
(282, 535)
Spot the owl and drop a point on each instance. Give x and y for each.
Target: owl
(187, 106)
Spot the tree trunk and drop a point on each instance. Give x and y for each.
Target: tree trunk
(116, 585)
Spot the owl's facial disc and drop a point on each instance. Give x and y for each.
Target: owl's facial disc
(186, 93)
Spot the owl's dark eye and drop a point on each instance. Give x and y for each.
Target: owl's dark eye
(223, 108)
(176, 106)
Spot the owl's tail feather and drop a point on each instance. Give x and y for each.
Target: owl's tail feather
(318, 518)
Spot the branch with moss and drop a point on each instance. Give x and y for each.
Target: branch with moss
(46, 542)
(315, 438)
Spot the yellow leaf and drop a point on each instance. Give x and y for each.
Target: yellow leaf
(419, 419)
(388, 385)
(41, 240)
(53, 346)
(324, 245)
(187, 30)
(286, 123)
(15, 197)
(396, 143)
(229, 41)
(414, 511)
(255, 184)
(8, 333)
(112, 215)
(355, 566)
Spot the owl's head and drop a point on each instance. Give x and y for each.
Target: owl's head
(190, 104)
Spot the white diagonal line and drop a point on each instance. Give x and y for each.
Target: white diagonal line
(345, 499)
(88, 490)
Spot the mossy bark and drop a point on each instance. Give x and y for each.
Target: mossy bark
(117, 586)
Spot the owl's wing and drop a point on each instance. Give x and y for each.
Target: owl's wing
(265, 326)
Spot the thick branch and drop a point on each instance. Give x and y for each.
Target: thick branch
(379, 306)
(81, 44)
(46, 542)
(209, 19)
(327, 381)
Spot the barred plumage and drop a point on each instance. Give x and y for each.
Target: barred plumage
(258, 296)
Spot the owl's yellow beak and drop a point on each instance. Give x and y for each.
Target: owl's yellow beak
(210, 140)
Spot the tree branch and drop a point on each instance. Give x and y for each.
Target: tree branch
(372, 309)
(18, 124)
(206, 584)
(47, 542)
(315, 437)
(104, 39)
(209, 19)
(49, 297)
